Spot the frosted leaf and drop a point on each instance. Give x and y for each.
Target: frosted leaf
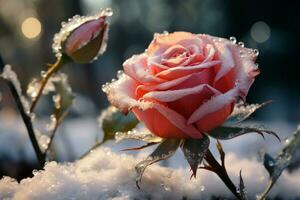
(11, 76)
(194, 151)
(35, 85)
(112, 121)
(164, 151)
(63, 99)
(142, 134)
(242, 111)
(227, 132)
(284, 158)
(71, 25)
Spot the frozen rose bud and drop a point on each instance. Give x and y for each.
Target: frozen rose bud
(82, 38)
(85, 42)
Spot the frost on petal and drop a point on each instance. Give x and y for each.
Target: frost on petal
(136, 67)
(121, 94)
(246, 69)
(226, 58)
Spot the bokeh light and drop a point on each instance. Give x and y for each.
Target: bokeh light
(31, 27)
(260, 32)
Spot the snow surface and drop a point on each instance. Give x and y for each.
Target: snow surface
(108, 175)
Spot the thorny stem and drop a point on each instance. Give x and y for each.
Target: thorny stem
(53, 68)
(26, 118)
(220, 170)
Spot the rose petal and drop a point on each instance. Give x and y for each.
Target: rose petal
(215, 119)
(246, 69)
(121, 94)
(162, 86)
(136, 67)
(180, 71)
(173, 95)
(85, 33)
(226, 58)
(166, 123)
(161, 42)
(209, 52)
(213, 105)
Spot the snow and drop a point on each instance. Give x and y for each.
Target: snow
(108, 175)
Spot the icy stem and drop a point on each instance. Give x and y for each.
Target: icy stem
(11, 76)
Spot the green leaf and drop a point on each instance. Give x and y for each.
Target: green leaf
(228, 132)
(111, 120)
(194, 151)
(164, 151)
(242, 111)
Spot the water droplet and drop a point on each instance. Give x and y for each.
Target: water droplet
(232, 39)
(35, 172)
(43, 74)
(241, 44)
(108, 12)
(165, 33)
(166, 188)
(256, 52)
(202, 188)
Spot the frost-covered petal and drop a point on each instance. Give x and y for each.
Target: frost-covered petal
(121, 94)
(84, 34)
(136, 67)
(246, 69)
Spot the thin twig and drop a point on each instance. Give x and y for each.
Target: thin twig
(26, 118)
(58, 122)
(99, 143)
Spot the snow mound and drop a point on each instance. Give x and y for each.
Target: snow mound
(107, 175)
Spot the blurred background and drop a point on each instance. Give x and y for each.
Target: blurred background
(28, 26)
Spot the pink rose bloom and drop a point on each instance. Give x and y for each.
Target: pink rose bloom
(184, 84)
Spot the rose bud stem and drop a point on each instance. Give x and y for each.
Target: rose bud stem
(45, 77)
